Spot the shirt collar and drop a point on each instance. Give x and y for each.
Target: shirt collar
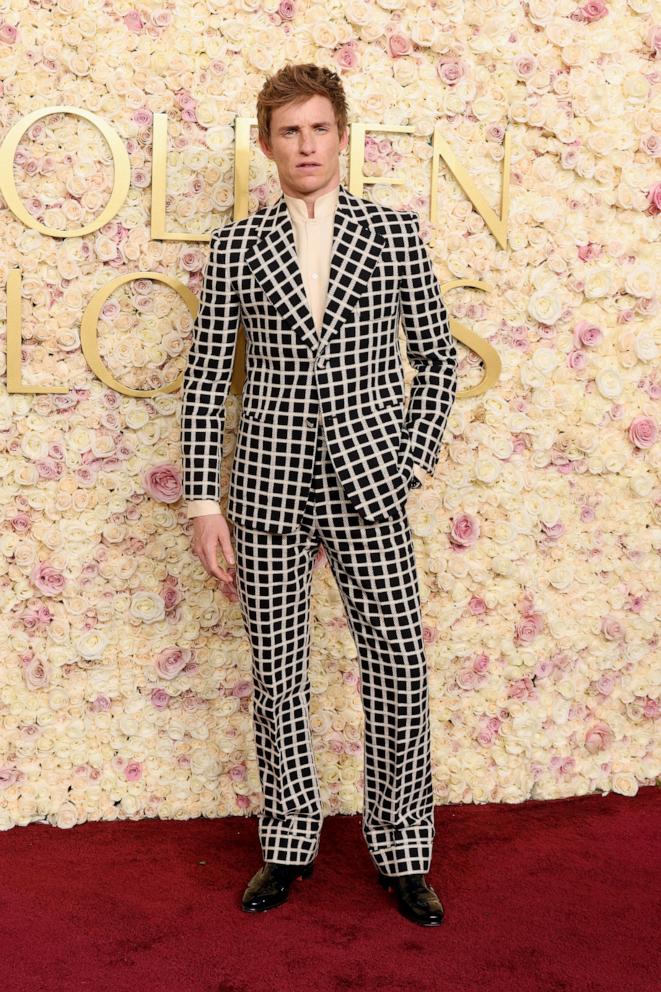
(324, 205)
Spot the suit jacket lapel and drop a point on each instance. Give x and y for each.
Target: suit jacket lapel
(354, 252)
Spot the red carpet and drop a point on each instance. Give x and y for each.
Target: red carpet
(552, 896)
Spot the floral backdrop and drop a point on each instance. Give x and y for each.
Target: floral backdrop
(125, 684)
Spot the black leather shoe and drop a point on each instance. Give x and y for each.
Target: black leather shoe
(416, 899)
(269, 886)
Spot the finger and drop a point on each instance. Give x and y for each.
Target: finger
(211, 565)
(228, 551)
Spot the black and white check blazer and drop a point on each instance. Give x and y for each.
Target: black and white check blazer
(346, 380)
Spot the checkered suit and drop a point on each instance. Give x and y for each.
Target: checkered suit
(325, 456)
(348, 378)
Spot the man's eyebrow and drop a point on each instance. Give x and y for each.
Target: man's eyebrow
(294, 127)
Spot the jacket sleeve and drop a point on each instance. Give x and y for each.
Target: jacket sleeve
(208, 375)
(430, 349)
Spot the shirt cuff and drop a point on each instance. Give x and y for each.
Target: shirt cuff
(201, 507)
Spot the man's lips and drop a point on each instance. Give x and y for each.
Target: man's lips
(308, 165)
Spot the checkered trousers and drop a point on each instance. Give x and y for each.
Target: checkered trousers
(374, 568)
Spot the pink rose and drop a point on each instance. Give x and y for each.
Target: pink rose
(242, 689)
(612, 629)
(588, 252)
(171, 597)
(521, 689)
(577, 360)
(8, 33)
(35, 673)
(287, 9)
(237, 773)
(346, 56)
(464, 531)
(429, 634)
(643, 432)
(594, 10)
(20, 523)
(525, 65)
(651, 709)
(480, 663)
(9, 776)
(527, 629)
(587, 334)
(654, 198)
(142, 117)
(133, 21)
(476, 606)
(399, 44)
(651, 144)
(654, 38)
(553, 531)
(598, 737)
(47, 580)
(160, 699)
(163, 482)
(450, 71)
(466, 679)
(605, 685)
(170, 661)
(133, 771)
(100, 704)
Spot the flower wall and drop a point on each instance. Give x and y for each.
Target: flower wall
(125, 684)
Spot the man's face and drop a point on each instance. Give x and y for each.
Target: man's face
(306, 133)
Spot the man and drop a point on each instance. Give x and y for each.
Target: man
(324, 455)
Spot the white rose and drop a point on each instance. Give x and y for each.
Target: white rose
(598, 283)
(64, 817)
(487, 469)
(641, 281)
(147, 606)
(92, 645)
(625, 783)
(561, 577)
(325, 33)
(609, 383)
(645, 346)
(614, 461)
(642, 484)
(357, 11)
(423, 32)
(544, 306)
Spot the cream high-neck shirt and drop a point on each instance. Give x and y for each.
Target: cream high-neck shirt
(313, 237)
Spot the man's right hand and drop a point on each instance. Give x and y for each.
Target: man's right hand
(210, 530)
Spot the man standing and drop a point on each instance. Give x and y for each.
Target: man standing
(325, 454)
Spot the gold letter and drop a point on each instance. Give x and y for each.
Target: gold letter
(8, 186)
(89, 328)
(497, 225)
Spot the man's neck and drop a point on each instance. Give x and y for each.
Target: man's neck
(310, 198)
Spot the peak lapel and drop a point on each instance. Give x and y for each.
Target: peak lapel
(354, 253)
(274, 263)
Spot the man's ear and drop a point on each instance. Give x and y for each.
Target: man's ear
(265, 148)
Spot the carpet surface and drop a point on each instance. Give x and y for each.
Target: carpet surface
(549, 896)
